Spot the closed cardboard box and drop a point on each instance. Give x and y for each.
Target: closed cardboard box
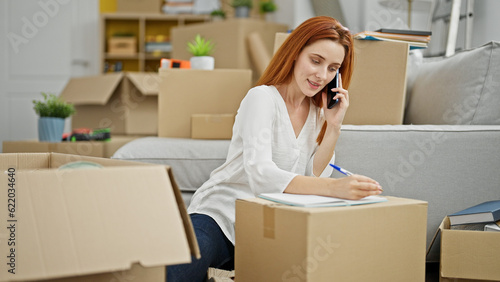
(122, 45)
(125, 102)
(378, 87)
(468, 255)
(99, 149)
(376, 242)
(139, 6)
(377, 92)
(215, 126)
(185, 92)
(123, 220)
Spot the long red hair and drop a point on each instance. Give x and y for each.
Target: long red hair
(280, 69)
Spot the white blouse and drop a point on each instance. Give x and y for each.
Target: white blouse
(264, 156)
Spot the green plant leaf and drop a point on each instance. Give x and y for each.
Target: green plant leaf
(53, 106)
(200, 46)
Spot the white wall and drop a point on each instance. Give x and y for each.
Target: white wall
(486, 22)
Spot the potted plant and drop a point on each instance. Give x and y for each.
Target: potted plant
(52, 113)
(242, 8)
(218, 15)
(267, 8)
(201, 49)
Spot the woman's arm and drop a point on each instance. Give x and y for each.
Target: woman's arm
(353, 187)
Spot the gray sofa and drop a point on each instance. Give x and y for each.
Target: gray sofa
(447, 153)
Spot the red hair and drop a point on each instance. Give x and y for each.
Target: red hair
(280, 69)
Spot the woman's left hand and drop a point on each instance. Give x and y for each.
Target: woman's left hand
(335, 116)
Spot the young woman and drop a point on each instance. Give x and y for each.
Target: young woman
(284, 137)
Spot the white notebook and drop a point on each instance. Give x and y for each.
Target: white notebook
(317, 201)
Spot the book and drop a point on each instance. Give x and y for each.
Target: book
(484, 212)
(492, 226)
(405, 31)
(402, 37)
(469, 226)
(317, 201)
(415, 41)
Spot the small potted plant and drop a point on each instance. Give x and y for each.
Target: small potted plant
(201, 49)
(52, 112)
(218, 15)
(242, 8)
(267, 8)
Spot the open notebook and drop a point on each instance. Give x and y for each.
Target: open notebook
(317, 201)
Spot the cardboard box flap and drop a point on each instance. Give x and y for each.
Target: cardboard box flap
(191, 236)
(88, 221)
(435, 240)
(147, 83)
(57, 160)
(91, 90)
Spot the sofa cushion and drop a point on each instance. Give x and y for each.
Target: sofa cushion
(192, 160)
(462, 89)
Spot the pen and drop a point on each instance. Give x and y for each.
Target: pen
(343, 171)
(348, 173)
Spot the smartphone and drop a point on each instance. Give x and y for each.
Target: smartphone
(333, 84)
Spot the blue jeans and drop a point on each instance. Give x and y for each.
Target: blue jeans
(216, 251)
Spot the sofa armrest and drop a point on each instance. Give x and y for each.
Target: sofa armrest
(450, 166)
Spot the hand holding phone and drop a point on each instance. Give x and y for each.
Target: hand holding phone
(330, 94)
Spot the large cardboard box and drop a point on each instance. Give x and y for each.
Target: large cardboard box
(232, 49)
(377, 92)
(375, 242)
(99, 149)
(126, 220)
(184, 92)
(125, 102)
(468, 255)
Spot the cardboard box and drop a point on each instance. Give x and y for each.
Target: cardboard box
(85, 148)
(375, 242)
(125, 102)
(214, 126)
(122, 45)
(139, 6)
(468, 255)
(74, 222)
(377, 92)
(186, 92)
(232, 50)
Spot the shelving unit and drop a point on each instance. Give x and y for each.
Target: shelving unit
(141, 26)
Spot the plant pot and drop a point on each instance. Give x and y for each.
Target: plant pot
(202, 62)
(217, 18)
(242, 12)
(270, 17)
(50, 129)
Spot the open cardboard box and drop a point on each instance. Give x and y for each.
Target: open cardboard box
(467, 255)
(125, 102)
(101, 149)
(375, 242)
(126, 219)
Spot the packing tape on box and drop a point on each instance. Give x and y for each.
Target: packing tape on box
(269, 221)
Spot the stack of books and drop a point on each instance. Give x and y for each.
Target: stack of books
(416, 38)
(178, 7)
(484, 216)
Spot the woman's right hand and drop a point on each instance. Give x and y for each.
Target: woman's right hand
(355, 187)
